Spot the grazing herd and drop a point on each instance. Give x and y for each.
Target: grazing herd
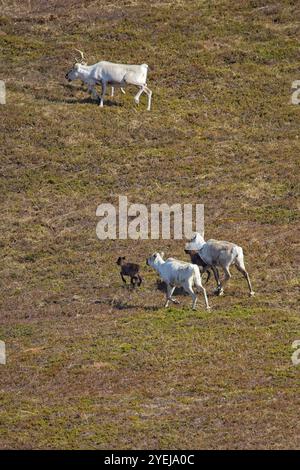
(206, 257)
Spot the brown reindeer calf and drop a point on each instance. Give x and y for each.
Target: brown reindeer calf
(204, 268)
(131, 270)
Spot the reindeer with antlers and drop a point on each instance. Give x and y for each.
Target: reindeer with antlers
(108, 73)
(91, 88)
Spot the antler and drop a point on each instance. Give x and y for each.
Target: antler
(82, 61)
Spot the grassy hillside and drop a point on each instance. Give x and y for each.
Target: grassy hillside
(91, 364)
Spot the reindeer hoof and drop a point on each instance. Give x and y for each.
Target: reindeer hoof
(252, 294)
(218, 292)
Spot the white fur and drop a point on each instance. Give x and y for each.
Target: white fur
(177, 273)
(116, 75)
(220, 253)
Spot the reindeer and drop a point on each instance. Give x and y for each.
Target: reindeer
(219, 253)
(116, 75)
(178, 273)
(204, 267)
(92, 89)
(131, 270)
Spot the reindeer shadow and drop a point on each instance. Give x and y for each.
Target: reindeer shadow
(121, 305)
(118, 304)
(72, 90)
(87, 100)
(161, 286)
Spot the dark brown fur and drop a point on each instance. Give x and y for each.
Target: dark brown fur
(196, 259)
(131, 270)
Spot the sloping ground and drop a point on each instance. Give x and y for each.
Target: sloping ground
(91, 364)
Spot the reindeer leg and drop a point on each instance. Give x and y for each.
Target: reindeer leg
(208, 276)
(188, 288)
(92, 90)
(227, 276)
(246, 276)
(149, 94)
(133, 281)
(194, 301)
(219, 289)
(170, 291)
(137, 96)
(205, 297)
(102, 94)
(113, 91)
(175, 301)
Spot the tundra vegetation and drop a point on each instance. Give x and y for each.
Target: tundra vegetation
(89, 363)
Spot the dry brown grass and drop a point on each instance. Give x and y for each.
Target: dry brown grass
(92, 364)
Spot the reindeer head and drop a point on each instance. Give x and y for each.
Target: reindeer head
(155, 259)
(195, 243)
(74, 72)
(120, 260)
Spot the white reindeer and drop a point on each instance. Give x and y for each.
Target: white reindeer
(219, 253)
(91, 88)
(116, 75)
(177, 273)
